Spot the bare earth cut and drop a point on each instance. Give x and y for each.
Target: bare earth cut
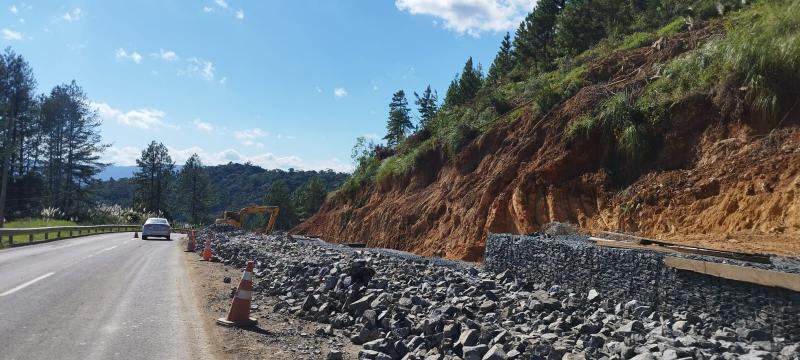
(717, 178)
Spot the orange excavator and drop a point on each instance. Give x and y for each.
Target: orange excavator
(235, 218)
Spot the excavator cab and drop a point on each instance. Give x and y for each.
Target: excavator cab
(236, 219)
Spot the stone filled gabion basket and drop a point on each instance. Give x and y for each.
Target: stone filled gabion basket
(399, 307)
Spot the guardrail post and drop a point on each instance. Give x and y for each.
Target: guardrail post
(30, 237)
(58, 234)
(46, 235)
(70, 233)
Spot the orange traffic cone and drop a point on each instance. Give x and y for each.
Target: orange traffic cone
(190, 243)
(239, 315)
(207, 250)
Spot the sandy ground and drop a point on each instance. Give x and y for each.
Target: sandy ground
(278, 336)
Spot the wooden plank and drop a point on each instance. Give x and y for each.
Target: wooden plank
(675, 247)
(739, 273)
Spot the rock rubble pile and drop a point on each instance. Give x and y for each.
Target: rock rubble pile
(412, 308)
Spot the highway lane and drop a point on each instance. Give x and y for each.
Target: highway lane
(98, 297)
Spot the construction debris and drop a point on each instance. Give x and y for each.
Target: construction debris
(405, 307)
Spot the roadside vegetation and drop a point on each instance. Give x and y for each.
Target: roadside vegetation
(754, 66)
(197, 194)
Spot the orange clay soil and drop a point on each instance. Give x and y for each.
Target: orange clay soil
(715, 177)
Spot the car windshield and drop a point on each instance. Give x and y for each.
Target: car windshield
(156, 221)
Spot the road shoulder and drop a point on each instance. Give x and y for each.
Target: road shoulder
(278, 336)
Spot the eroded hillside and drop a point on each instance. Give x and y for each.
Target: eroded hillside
(705, 165)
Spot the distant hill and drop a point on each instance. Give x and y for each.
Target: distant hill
(239, 185)
(116, 172)
(233, 185)
(119, 172)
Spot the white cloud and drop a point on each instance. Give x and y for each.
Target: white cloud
(471, 16)
(208, 9)
(240, 14)
(221, 3)
(223, 80)
(11, 35)
(127, 155)
(199, 67)
(13, 9)
(340, 92)
(71, 16)
(166, 55)
(144, 118)
(202, 125)
(133, 56)
(250, 134)
(121, 156)
(318, 89)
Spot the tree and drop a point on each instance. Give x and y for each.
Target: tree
(453, 95)
(427, 106)
(465, 88)
(503, 62)
(308, 198)
(16, 101)
(194, 193)
(153, 179)
(278, 195)
(72, 148)
(533, 43)
(583, 23)
(399, 119)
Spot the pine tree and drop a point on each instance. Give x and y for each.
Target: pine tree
(399, 119)
(153, 179)
(503, 62)
(453, 95)
(17, 87)
(194, 193)
(427, 106)
(465, 87)
(533, 43)
(72, 148)
(470, 81)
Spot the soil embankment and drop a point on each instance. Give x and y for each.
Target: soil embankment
(714, 177)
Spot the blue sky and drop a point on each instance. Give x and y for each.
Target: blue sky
(278, 83)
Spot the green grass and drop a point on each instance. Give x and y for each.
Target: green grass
(581, 127)
(636, 40)
(759, 56)
(401, 164)
(674, 27)
(36, 223)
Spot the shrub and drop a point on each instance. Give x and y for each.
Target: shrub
(636, 40)
(401, 164)
(582, 126)
(673, 27)
(552, 88)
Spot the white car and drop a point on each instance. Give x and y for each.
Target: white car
(158, 227)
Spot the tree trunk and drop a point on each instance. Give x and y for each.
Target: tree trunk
(8, 148)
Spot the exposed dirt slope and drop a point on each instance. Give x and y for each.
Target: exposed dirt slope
(714, 180)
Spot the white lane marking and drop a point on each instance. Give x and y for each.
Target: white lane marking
(108, 248)
(20, 287)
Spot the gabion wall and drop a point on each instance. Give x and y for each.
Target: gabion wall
(622, 275)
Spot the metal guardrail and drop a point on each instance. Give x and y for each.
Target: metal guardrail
(7, 235)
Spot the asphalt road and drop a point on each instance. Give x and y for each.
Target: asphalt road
(98, 297)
